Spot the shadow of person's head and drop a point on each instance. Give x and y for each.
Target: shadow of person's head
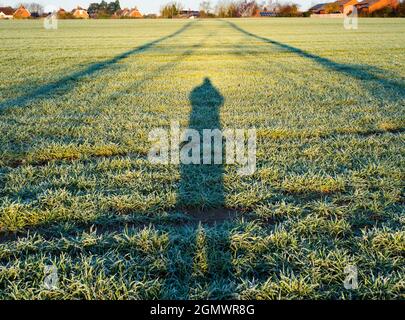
(205, 100)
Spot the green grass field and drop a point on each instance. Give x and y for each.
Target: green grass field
(77, 191)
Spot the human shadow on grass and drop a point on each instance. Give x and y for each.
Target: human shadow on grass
(65, 84)
(113, 98)
(201, 185)
(201, 195)
(200, 258)
(392, 89)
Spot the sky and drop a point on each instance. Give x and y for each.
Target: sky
(145, 6)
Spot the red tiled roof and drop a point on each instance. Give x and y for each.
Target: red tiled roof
(21, 12)
(8, 11)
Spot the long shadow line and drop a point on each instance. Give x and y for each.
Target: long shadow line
(63, 83)
(161, 70)
(15, 163)
(353, 71)
(332, 133)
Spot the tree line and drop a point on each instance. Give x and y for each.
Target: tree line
(104, 9)
(221, 9)
(232, 9)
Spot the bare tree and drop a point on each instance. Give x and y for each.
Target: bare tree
(227, 8)
(206, 6)
(247, 8)
(272, 5)
(220, 9)
(171, 9)
(33, 7)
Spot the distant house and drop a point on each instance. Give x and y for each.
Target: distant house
(189, 13)
(61, 12)
(6, 13)
(134, 13)
(21, 13)
(80, 13)
(346, 3)
(320, 8)
(365, 6)
(266, 14)
(128, 13)
(263, 11)
(370, 6)
(121, 13)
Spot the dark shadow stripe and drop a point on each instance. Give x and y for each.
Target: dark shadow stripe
(356, 72)
(63, 83)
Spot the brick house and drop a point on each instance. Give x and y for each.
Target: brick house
(6, 13)
(370, 6)
(22, 13)
(365, 6)
(128, 13)
(80, 13)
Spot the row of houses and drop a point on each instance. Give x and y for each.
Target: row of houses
(363, 7)
(128, 13)
(189, 14)
(78, 13)
(10, 13)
